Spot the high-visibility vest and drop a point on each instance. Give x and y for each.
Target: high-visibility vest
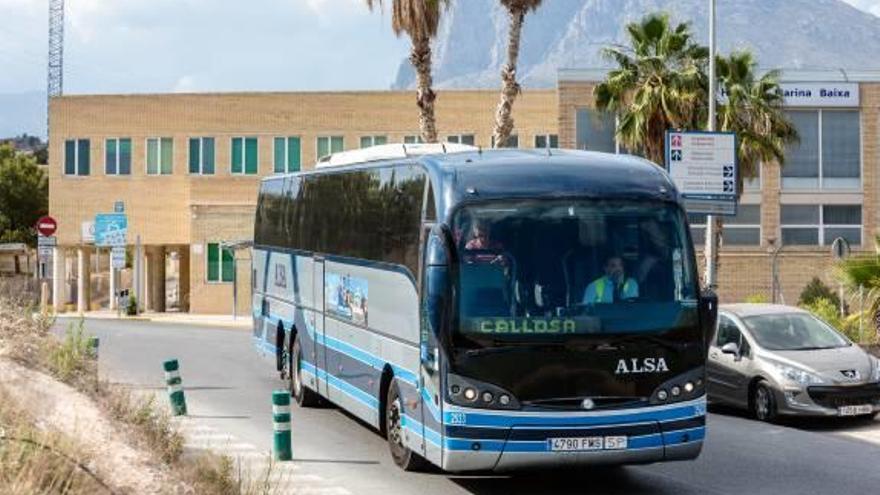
(600, 288)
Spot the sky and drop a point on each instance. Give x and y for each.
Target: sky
(117, 46)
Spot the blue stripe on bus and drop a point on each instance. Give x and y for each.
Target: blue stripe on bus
(415, 426)
(499, 420)
(342, 385)
(429, 403)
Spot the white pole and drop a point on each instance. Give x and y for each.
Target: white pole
(711, 246)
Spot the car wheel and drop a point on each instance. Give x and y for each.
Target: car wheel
(405, 458)
(303, 395)
(764, 403)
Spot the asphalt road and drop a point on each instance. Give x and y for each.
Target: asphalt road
(228, 387)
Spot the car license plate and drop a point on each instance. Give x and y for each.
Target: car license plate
(855, 410)
(586, 444)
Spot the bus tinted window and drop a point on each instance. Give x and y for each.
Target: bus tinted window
(269, 227)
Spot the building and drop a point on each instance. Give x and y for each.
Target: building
(187, 167)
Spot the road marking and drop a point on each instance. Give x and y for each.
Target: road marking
(286, 477)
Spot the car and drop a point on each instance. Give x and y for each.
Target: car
(779, 360)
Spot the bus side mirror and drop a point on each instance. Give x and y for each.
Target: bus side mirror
(708, 315)
(436, 291)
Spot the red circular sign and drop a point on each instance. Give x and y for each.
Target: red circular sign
(47, 226)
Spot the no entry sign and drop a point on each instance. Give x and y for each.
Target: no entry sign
(47, 226)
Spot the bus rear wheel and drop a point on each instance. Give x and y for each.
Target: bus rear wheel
(303, 395)
(405, 458)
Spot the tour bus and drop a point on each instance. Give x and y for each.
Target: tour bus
(488, 309)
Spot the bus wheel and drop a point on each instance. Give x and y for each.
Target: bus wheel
(402, 455)
(304, 396)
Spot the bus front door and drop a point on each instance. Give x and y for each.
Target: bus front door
(318, 324)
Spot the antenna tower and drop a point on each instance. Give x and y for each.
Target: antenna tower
(55, 74)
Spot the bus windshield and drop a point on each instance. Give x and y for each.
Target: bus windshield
(550, 269)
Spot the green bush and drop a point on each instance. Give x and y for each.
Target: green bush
(132, 308)
(73, 357)
(757, 299)
(827, 310)
(816, 290)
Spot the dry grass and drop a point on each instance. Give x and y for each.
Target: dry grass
(151, 426)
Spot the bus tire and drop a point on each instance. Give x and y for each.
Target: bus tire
(405, 458)
(303, 395)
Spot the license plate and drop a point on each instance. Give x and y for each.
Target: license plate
(586, 444)
(855, 410)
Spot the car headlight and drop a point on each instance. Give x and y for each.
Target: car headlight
(798, 375)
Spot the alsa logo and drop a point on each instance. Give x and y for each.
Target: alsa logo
(644, 365)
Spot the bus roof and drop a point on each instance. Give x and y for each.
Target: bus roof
(531, 173)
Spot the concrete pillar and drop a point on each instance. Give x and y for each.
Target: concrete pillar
(82, 280)
(183, 271)
(112, 285)
(156, 278)
(59, 277)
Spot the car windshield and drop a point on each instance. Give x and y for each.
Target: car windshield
(542, 269)
(793, 332)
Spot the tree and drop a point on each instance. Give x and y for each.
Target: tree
(659, 84)
(510, 88)
(419, 19)
(24, 196)
(752, 108)
(863, 270)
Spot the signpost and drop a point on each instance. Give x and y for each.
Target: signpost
(703, 167)
(111, 230)
(840, 250)
(117, 257)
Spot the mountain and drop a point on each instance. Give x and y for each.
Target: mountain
(795, 34)
(23, 113)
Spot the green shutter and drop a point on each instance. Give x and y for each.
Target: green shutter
(208, 156)
(336, 144)
(195, 156)
(83, 157)
(152, 156)
(237, 155)
(293, 154)
(323, 147)
(378, 140)
(250, 156)
(228, 265)
(167, 155)
(279, 156)
(70, 157)
(213, 262)
(125, 156)
(110, 157)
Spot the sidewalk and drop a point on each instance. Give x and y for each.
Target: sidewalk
(225, 321)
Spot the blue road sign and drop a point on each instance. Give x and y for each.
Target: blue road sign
(110, 229)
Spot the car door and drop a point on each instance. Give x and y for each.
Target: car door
(721, 368)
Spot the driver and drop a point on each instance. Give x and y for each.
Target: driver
(613, 286)
(480, 239)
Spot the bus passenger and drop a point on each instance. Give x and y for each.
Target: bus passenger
(613, 286)
(479, 238)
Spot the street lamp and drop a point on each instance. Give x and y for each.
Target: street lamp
(711, 236)
(774, 251)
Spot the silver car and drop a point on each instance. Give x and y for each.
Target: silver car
(776, 360)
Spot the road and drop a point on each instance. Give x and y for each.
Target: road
(228, 388)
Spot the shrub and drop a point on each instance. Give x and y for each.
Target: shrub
(73, 358)
(757, 299)
(815, 290)
(828, 311)
(132, 308)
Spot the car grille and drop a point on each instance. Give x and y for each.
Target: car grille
(835, 397)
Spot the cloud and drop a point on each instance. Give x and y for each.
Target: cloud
(870, 6)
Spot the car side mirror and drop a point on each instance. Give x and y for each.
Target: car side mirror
(730, 348)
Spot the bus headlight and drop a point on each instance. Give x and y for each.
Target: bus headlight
(468, 392)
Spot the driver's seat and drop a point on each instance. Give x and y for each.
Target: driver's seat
(578, 265)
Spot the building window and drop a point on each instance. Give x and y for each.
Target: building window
(512, 141)
(76, 157)
(221, 263)
(413, 139)
(461, 139)
(594, 130)
(287, 154)
(327, 145)
(160, 156)
(815, 225)
(367, 141)
(243, 157)
(828, 155)
(744, 229)
(117, 156)
(543, 141)
(201, 156)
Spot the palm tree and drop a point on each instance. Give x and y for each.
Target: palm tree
(752, 107)
(510, 88)
(419, 19)
(660, 84)
(863, 270)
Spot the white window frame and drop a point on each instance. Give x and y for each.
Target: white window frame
(372, 139)
(458, 137)
(158, 156)
(117, 174)
(513, 135)
(705, 226)
(821, 226)
(546, 138)
(793, 183)
(75, 157)
(220, 280)
(243, 156)
(329, 138)
(285, 140)
(201, 171)
(413, 138)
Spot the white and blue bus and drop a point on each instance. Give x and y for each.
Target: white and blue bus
(488, 310)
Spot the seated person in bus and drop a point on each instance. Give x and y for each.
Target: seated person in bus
(480, 240)
(613, 286)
